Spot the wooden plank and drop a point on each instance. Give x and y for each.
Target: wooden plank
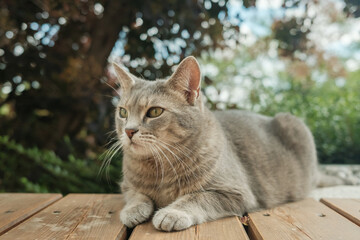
(146, 231)
(16, 207)
(103, 220)
(226, 228)
(307, 219)
(349, 208)
(76, 216)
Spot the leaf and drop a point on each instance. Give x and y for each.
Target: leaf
(245, 220)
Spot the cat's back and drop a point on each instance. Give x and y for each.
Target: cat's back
(239, 122)
(234, 116)
(259, 132)
(249, 133)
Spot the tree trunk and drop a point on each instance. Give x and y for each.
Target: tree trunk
(106, 31)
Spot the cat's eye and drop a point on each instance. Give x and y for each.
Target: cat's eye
(154, 112)
(123, 113)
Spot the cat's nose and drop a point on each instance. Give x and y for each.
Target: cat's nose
(130, 132)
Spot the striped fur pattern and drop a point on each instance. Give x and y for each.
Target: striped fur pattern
(190, 165)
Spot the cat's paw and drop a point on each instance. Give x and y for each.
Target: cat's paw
(133, 215)
(168, 219)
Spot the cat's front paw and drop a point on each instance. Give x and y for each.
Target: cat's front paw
(168, 219)
(133, 215)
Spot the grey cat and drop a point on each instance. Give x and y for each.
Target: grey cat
(190, 165)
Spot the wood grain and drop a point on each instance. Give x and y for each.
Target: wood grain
(307, 219)
(227, 228)
(76, 216)
(16, 207)
(349, 208)
(147, 231)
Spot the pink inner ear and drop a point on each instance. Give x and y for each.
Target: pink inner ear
(194, 81)
(187, 79)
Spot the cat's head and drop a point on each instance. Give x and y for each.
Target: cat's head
(156, 117)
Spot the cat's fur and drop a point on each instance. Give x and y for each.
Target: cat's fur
(190, 165)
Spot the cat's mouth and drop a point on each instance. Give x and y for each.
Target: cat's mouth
(135, 145)
(138, 149)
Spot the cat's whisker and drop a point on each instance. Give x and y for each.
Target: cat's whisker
(113, 142)
(171, 165)
(113, 139)
(194, 175)
(185, 150)
(161, 166)
(116, 149)
(182, 163)
(111, 132)
(159, 154)
(116, 91)
(148, 146)
(156, 156)
(108, 156)
(178, 148)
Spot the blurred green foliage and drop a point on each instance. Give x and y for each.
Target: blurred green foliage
(34, 170)
(331, 112)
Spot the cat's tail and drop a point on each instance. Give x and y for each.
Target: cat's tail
(325, 180)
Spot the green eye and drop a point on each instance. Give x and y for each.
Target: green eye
(154, 112)
(123, 113)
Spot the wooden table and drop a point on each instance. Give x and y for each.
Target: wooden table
(96, 216)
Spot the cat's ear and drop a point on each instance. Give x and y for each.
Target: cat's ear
(186, 79)
(125, 79)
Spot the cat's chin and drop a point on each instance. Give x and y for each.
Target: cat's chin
(137, 150)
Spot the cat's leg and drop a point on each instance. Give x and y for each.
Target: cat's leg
(138, 208)
(196, 208)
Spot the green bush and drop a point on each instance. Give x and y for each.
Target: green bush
(331, 111)
(34, 170)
